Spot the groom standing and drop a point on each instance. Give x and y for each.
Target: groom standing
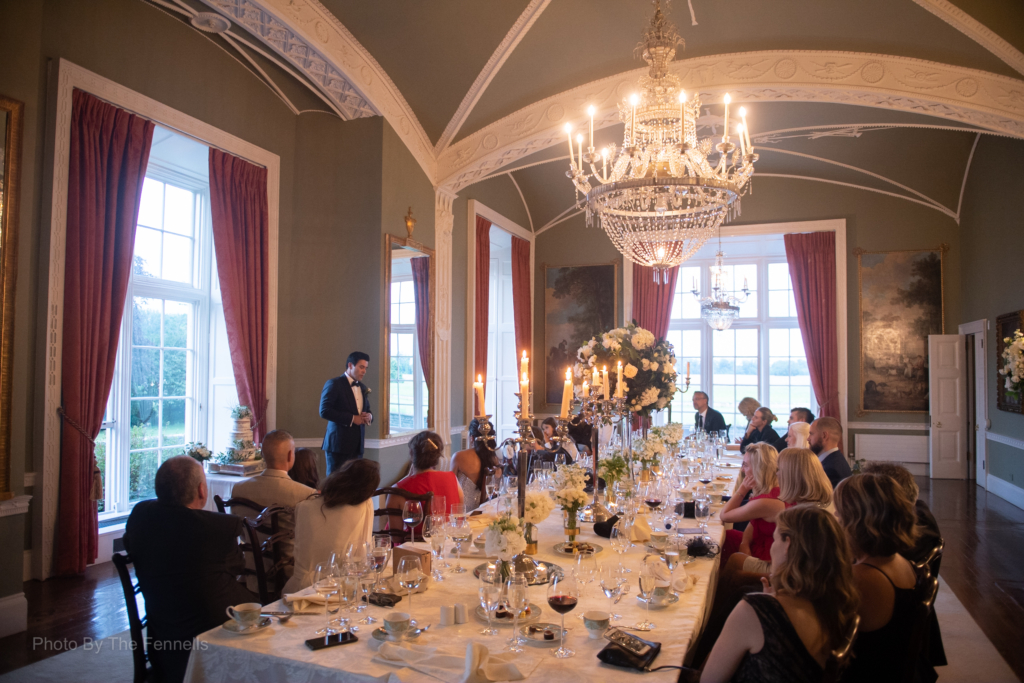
(345, 404)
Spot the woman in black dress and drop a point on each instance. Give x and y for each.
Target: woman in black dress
(785, 635)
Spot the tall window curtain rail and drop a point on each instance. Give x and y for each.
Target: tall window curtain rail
(812, 267)
(483, 274)
(108, 154)
(521, 297)
(240, 217)
(421, 292)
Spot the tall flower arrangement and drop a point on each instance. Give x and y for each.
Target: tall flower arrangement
(1013, 363)
(538, 506)
(570, 481)
(648, 365)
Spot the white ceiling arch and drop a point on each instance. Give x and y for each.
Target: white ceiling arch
(967, 96)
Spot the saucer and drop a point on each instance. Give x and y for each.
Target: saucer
(537, 637)
(234, 627)
(671, 599)
(381, 635)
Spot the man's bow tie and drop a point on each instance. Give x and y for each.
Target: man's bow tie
(356, 383)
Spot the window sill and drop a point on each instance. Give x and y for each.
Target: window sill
(15, 506)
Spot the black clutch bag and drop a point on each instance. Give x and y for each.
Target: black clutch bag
(620, 656)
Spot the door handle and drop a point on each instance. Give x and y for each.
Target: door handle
(938, 425)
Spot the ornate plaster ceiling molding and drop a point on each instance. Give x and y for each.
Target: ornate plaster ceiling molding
(968, 96)
(497, 60)
(976, 31)
(314, 41)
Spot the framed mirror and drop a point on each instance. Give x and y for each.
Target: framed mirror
(11, 113)
(408, 339)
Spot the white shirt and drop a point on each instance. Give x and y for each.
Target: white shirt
(825, 454)
(357, 392)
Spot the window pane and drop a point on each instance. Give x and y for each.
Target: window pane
(177, 258)
(735, 372)
(172, 431)
(145, 372)
(102, 440)
(176, 323)
(151, 204)
(142, 471)
(685, 306)
(778, 276)
(145, 321)
(175, 373)
(396, 293)
(780, 292)
(146, 260)
(178, 212)
(408, 295)
(145, 422)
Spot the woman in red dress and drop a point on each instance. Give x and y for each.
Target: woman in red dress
(760, 477)
(425, 451)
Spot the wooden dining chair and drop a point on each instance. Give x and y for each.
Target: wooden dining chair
(932, 561)
(262, 535)
(924, 599)
(399, 535)
(840, 657)
(140, 652)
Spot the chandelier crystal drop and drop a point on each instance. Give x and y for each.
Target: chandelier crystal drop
(659, 197)
(720, 309)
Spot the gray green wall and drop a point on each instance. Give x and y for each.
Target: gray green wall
(992, 230)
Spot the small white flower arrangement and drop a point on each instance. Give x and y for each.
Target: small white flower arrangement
(241, 412)
(504, 538)
(670, 434)
(649, 451)
(538, 506)
(570, 481)
(1013, 362)
(198, 452)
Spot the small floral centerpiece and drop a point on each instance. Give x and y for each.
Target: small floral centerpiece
(570, 482)
(648, 365)
(504, 539)
(197, 452)
(671, 434)
(241, 412)
(1013, 363)
(612, 469)
(649, 451)
(537, 508)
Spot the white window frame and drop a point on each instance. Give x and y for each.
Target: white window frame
(418, 382)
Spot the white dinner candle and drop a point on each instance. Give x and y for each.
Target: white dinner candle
(725, 132)
(568, 132)
(604, 381)
(478, 389)
(596, 381)
(591, 110)
(524, 365)
(566, 395)
(618, 381)
(746, 129)
(586, 389)
(687, 368)
(524, 394)
(743, 139)
(579, 143)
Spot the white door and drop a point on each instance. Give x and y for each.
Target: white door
(947, 442)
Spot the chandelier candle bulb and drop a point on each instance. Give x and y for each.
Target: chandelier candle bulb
(524, 396)
(585, 392)
(591, 110)
(725, 131)
(687, 368)
(568, 132)
(478, 389)
(618, 381)
(743, 140)
(746, 130)
(604, 381)
(566, 395)
(579, 143)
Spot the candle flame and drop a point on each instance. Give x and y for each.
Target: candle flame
(591, 110)
(727, 99)
(682, 96)
(743, 111)
(524, 354)
(568, 374)
(480, 378)
(579, 138)
(568, 128)
(634, 99)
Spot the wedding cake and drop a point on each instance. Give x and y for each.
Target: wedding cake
(242, 457)
(242, 447)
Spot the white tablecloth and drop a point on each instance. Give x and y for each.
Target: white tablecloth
(279, 653)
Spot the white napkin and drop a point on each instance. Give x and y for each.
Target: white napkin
(302, 601)
(641, 530)
(480, 522)
(418, 545)
(477, 666)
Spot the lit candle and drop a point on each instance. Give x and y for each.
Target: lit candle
(725, 132)
(682, 117)
(591, 110)
(478, 388)
(604, 381)
(568, 132)
(746, 130)
(743, 140)
(586, 389)
(687, 368)
(618, 381)
(744, 283)
(604, 162)
(566, 395)
(596, 381)
(579, 142)
(524, 394)
(634, 99)
(694, 284)
(524, 365)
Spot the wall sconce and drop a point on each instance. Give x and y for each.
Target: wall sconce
(410, 222)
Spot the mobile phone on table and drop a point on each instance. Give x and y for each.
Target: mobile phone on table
(330, 641)
(627, 641)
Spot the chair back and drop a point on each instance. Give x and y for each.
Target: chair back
(924, 598)
(840, 657)
(932, 560)
(140, 656)
(260, 538)
(399, 535)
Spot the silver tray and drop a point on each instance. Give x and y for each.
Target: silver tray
(544, 572)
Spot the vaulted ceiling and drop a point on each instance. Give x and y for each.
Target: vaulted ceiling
(885, 95)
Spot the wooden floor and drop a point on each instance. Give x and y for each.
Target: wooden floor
(983, 565)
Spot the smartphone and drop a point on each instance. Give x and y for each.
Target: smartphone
(627, 641)
(337, 639)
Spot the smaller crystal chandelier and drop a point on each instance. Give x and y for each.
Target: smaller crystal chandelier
(720, 309)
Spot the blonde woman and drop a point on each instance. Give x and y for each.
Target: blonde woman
(746, 408)
(798, 434)
(760, 479)
(785, 634)
(802, 479)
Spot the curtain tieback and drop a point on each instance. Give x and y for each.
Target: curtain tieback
(96, 490)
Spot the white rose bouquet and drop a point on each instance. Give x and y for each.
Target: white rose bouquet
(538, 506)
(197, 452)
(649, 451)
(671, 434)
(570, 481)
(1013, 362)
(504, 539)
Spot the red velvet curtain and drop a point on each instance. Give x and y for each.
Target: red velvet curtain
(238, 203)
(483, 280)
(652, 302)
(521, 299)
(107, 164)
(812, 267)
(421, 292)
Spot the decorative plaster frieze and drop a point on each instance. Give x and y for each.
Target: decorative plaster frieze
(976, 98)
(975, 30)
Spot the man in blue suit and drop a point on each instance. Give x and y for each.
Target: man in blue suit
(708, 419)
(824, 439)
(345, 404)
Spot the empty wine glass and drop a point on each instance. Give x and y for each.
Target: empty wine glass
(490, 594)
(518, 600)
(702, 509)
(325, 583)
(438, 505)
(563, 596)
(586, 573)
(611, 586)
(648, 582)
(410, 575)
(672, 556)
(412, 515)
(491, 484)
(348, 589)
(366, 583)
(435, 530)
(381, 555)
(619, 539)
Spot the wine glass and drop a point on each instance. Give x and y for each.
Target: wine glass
(438, 505)
(672, 556)
(619, 539)
(518, 600)
(348, 589)
(611, 586)
(460, 532)
(648, 581)
(325, 583)
(491, 484)
(412, 515)
(702, 508)
(563, 596)
(490, 594)
(586, 572)
(381, 554)
(410, 575)
(434, 530)
(366, 583)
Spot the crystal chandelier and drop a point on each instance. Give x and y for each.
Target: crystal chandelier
(659, 197)
(720, 309)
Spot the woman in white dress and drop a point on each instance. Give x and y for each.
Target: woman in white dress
(473, 465)
(341, 514)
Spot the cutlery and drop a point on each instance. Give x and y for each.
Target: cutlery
(291, 614)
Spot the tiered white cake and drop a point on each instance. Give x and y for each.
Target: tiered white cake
(242, 447)
(241, 458)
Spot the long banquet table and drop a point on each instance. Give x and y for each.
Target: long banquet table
(278, 653)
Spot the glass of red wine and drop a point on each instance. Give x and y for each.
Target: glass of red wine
(412, 515)
(653, 497)
(563, 596)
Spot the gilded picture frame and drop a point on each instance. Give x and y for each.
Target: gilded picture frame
(901, 300)
(10, 189)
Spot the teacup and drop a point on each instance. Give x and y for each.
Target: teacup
(397, 623)
(716, 498)
(661, 593)
(596, 623)
(659, 539)
(719, 486)
(246, 614)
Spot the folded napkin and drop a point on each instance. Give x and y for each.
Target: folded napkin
(421, 546)
(477, 666)
(301, 601)
(480, 522)
(641, 529)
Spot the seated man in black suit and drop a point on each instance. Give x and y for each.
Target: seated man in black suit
(345, 404)
(762, 432)
(708, 419)
(798, 415)
(825, 437)
(187, 561)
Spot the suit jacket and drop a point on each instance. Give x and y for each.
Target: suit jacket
(338, 407)
(187, 563)
(766, 435)
(713, 421)
(836, 467)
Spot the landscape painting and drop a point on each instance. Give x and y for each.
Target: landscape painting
(579, 302)
(900, 305)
